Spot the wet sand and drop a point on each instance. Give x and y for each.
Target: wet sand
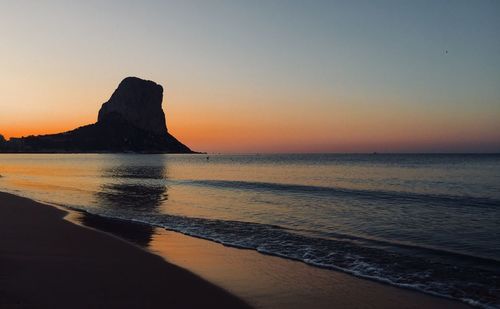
(272, 282)
(47, 262)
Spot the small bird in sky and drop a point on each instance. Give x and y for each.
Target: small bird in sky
(446, 51)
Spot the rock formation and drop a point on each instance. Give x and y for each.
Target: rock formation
(132, 120)
(138, 102)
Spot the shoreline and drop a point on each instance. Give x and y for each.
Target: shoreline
(49, 262)
(202, 262)
(267, 281)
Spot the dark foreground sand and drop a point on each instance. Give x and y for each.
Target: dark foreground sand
(47, 262)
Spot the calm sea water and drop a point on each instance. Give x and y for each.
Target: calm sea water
(427, 222)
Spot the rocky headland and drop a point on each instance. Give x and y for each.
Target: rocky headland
(132, 120)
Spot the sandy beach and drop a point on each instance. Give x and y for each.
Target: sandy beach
(50, 262)
(47, 262)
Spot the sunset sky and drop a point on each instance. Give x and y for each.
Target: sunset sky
(263, 76)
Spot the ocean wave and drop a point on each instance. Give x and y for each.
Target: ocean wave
(392, 196)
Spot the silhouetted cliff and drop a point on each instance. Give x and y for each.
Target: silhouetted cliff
(132, 120)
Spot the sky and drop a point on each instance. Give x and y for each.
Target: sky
(263, 76)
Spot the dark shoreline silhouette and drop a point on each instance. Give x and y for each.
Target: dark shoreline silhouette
(132, 120)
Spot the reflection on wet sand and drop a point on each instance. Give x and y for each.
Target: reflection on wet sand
(273, 282)
(140, 234)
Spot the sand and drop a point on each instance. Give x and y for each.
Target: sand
(47, 262)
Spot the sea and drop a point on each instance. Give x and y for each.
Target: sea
(428, 222)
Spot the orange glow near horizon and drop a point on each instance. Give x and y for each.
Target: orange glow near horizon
(209, 123)
(39, 128)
